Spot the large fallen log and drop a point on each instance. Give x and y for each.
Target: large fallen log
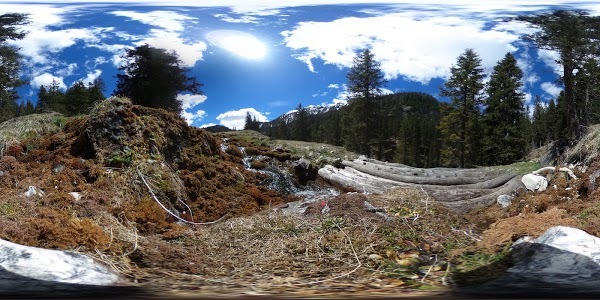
(366, 176)
(483, 179)
(465, 205)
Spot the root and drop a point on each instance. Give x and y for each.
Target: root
(552, 169)
(167, 210)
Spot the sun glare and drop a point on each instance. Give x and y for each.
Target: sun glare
(239, 43)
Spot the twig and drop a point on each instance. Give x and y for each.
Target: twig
(341, 275)
(430, 268)
(135, 244)
(446, 274)
(167, 210)
(426, 197)
(467, 234)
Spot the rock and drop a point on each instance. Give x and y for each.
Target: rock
(33, 191)
(53, 265)
(58, 168)
(504, 200)
(301, 164)
(304, 171)
(535, 182)
(563, 260)
(75, 195)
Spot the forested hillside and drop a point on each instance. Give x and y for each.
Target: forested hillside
(401, 127)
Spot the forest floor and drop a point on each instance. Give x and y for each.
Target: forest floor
(98, 183)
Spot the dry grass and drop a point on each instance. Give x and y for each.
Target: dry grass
(586, 150)
(17, 129)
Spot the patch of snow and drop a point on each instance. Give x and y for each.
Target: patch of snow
(53, 265)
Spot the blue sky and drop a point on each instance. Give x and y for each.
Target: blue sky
(266, 57)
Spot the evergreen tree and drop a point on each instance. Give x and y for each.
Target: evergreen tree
(300, 130)
(251, 123)
(56, 98)
(504, 140)
(43, 100)
(550, 117)
(96, 90)
(248, 121)
(576, 37)
(538, 124)
(77, 99)
(10, 64)
(154, 77)
(459, 126)
(365, 80)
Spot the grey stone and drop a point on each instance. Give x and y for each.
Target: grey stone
(33, 191)
(504, 200)
(535, 182)
(53, 265)
(561, 261)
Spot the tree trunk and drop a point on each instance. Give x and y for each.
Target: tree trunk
(459, 189)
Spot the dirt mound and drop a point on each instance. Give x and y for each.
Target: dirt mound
(120, 171)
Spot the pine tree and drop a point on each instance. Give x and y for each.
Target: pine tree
(300, 126)
(154, 77)
(56, 98)
(504, 140)
(538, 124)
(576, 37)
(459, 126)
(10, 63)
(365, 80)
(43, 100)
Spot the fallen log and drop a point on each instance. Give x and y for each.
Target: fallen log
(466, 205)
(490, 178)
(439, 170)
(460, 198)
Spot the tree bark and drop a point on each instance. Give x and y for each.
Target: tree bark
(445, 185)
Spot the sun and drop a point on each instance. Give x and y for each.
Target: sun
(239, 43)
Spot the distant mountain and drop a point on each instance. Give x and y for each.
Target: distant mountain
(291, 115)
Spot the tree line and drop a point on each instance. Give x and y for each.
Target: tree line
(479, 123)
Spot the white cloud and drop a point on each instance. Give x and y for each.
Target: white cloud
(207, 125)
(168, 20)
(46, 79)
(549, 57)
(417, 49)
(167, 36)
(551, 89)
(241, 19)
(40, 43)
(68, 70)
(189, 53)
(342, 96)
(190, 101)
(528, 98)
(333, 86)
(237, 118)
(93, 63)
(192, 117)
(91, 77)
(190, 112)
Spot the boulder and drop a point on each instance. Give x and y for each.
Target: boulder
(53, 265)
(504, 200)
(535, 182)
(562, 261)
